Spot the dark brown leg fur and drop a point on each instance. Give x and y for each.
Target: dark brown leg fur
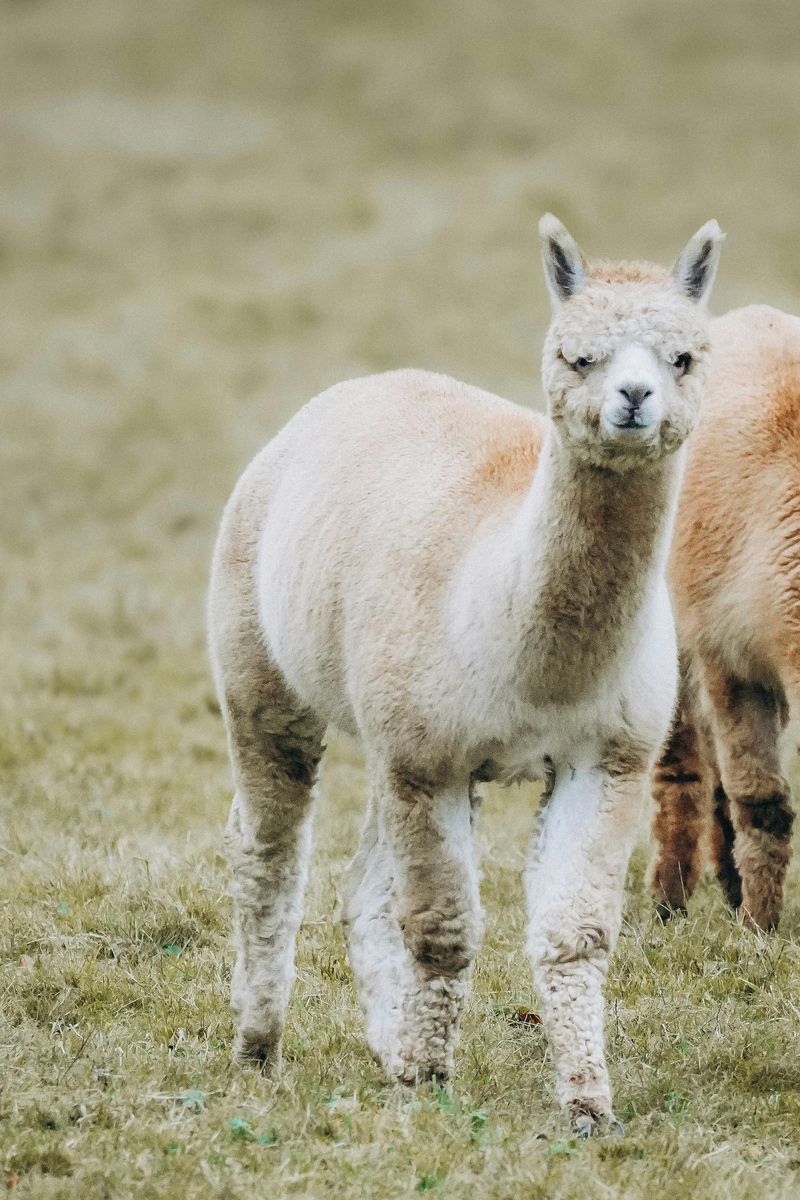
(681, 790)
(721, 849)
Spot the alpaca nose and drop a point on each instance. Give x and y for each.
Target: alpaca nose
(635, 394)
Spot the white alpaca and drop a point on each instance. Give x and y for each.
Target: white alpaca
(477, 592)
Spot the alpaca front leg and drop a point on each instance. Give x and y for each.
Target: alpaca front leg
(747, 722)
(575, 884)
(437, 906)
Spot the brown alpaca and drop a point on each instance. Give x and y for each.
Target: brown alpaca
(735, 575)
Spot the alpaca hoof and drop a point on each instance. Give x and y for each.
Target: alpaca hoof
(254, 1047)
(763, 922)
(665, 910)
(590, 1122)
(413, 1074)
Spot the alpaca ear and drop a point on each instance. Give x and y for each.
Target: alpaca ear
(695, 269)
(564, 265)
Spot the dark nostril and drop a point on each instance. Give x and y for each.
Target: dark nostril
(635, 394)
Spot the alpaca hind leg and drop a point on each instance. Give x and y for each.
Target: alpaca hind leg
(681, 792)
(575, 880)
(378, 956)
(747, 724)
(275, 750)
(437, 907)
(721, 844)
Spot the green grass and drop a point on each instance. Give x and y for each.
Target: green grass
(207, 213)
(116, 1034)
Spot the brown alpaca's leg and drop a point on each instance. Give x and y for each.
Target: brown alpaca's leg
(681, 791)
(747, 722)
(721, 848)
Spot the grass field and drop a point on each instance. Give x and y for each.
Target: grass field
(208, 212)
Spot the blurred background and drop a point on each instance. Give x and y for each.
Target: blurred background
(210, 211)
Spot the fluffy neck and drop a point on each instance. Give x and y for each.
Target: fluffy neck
(591, 542)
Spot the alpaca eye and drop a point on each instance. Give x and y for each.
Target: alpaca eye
(582, 364)
(682, 364)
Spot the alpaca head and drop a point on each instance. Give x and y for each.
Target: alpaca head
(625, 354)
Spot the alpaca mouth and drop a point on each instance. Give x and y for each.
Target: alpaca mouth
(629, 425)
(632, 421)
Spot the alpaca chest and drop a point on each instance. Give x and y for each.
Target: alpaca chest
(580, 638)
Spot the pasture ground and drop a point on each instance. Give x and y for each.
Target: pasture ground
(208, 212)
